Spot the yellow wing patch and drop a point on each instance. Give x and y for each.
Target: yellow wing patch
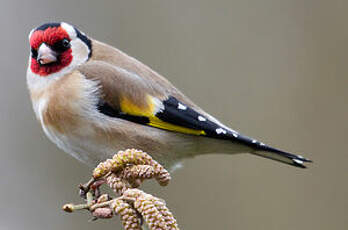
(155, 122)
(149, 111)
(128, 107)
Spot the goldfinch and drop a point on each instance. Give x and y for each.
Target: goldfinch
(93, 100)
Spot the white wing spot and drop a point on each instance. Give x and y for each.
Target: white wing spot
(181, 106)
(298, 161)
(254, 141)
(235, 135)
(200, 118)
(262, 144)
(220, 130)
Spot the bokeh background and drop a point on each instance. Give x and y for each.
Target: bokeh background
(273, 69)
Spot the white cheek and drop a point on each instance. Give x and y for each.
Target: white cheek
(80, 52)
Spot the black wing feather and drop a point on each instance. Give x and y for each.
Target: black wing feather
(178, 113)
(189, 118)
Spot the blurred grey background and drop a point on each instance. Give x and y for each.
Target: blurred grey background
(273, 69)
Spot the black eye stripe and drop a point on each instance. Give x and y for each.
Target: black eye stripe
(33, 53)
(61, 45)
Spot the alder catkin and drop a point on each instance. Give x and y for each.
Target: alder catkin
(128, 215)
(121, 160)
(117, 184)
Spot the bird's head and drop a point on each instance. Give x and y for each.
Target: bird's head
(57, 48)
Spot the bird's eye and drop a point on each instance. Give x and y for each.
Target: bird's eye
(33, 52)
(66, 43)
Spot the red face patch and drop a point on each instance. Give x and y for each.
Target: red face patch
(50, 36)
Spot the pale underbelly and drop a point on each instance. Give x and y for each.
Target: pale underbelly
(91, 149)
(166, 147)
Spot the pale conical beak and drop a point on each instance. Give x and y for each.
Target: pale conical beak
(45, 55)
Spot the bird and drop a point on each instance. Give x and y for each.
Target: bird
(93, 100)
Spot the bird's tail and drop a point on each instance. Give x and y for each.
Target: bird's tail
(260, 149)
(263, 150)
(284, 157)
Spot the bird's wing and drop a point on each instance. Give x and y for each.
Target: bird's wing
(126, 95)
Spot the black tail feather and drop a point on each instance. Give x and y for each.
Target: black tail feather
(269, 152)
